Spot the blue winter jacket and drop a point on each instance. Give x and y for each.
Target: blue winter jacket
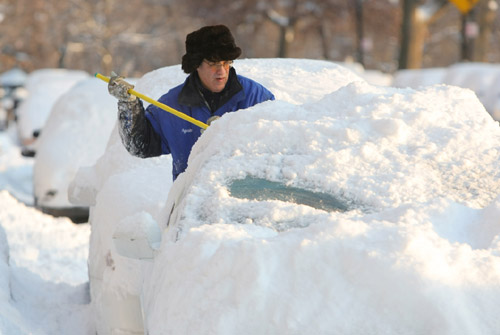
(178, 136)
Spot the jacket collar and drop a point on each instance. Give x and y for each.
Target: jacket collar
(191, 95)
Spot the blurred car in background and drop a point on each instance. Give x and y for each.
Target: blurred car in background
(44, 87)
(75, 134)
(12, 92)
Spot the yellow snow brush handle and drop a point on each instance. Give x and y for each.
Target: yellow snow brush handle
(160, 105)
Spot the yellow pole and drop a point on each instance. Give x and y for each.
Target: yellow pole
(160, 105)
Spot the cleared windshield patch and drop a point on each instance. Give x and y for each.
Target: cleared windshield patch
(252, 188)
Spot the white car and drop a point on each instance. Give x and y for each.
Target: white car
(121, 188)
(361, 211)
(44, 87)
(75, 134)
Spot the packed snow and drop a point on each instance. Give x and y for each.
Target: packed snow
(418, 251)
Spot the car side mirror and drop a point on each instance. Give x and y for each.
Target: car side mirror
(137, 237)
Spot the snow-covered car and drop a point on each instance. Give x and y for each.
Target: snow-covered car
(75, 134)
(350, 214)
(121, 188)
(482, 78)
(13, 78)
(44, 87)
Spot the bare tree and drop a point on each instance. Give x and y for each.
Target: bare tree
(417, 16)
(358, 14)
(286, 23)
(487, 13)
(94, 35)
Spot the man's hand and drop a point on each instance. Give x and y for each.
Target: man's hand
(118, 88)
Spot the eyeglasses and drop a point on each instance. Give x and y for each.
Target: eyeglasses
(215, 65)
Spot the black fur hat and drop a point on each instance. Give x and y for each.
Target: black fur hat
(213, 43)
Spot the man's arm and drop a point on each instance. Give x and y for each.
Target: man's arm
(136, 132)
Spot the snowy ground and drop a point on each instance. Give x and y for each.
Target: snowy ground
(43, 260)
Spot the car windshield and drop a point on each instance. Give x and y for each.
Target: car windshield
(253, 188)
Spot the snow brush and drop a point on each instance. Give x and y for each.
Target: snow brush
(159, 105)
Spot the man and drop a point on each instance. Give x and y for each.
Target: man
(212, 89)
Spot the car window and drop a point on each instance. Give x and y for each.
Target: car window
(253, 188)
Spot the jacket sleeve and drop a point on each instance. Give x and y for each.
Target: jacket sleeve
(136, 132)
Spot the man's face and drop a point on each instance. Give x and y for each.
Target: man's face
(214, 75)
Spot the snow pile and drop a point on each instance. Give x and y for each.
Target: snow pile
(43, 260)
(11, 321)
(46, 272)
(59, 235)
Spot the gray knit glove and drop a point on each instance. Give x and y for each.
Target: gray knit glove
(118, 88)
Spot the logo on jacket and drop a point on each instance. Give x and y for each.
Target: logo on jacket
(185, 131)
